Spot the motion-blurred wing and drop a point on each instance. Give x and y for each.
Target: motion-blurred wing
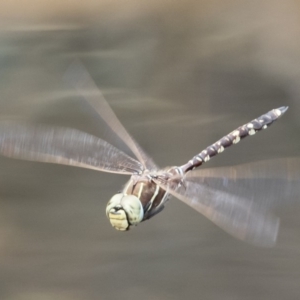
(64, 146)
(79, 77)
(269, 183)
(238, 216)
(238, 198)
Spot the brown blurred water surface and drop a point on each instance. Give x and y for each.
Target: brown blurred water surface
(178, 78)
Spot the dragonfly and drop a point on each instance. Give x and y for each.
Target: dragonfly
(236, 198)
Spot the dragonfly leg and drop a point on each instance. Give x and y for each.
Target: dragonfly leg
(152, 213)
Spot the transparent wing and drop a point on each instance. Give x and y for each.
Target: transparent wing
(269, 183)
(238, 198)
(64, 146)
(238, 216)
(79, 77)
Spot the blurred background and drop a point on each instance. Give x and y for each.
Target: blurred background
(179, 75)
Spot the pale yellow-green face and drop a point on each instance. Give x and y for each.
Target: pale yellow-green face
(124, 211)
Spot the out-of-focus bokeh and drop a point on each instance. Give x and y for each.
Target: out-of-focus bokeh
(179, 75)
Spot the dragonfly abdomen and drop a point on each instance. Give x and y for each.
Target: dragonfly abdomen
(234, 137)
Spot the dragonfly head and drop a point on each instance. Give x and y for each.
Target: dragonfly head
(124, 211)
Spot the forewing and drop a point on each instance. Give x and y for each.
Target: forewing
(64, 146)
(80, 79)
(238, 216)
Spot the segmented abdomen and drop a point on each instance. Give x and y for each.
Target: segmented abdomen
(234, 137)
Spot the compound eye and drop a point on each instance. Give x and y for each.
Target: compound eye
(113, 202)
(133, 208)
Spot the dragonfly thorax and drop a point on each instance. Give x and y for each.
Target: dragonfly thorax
(124, 210)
